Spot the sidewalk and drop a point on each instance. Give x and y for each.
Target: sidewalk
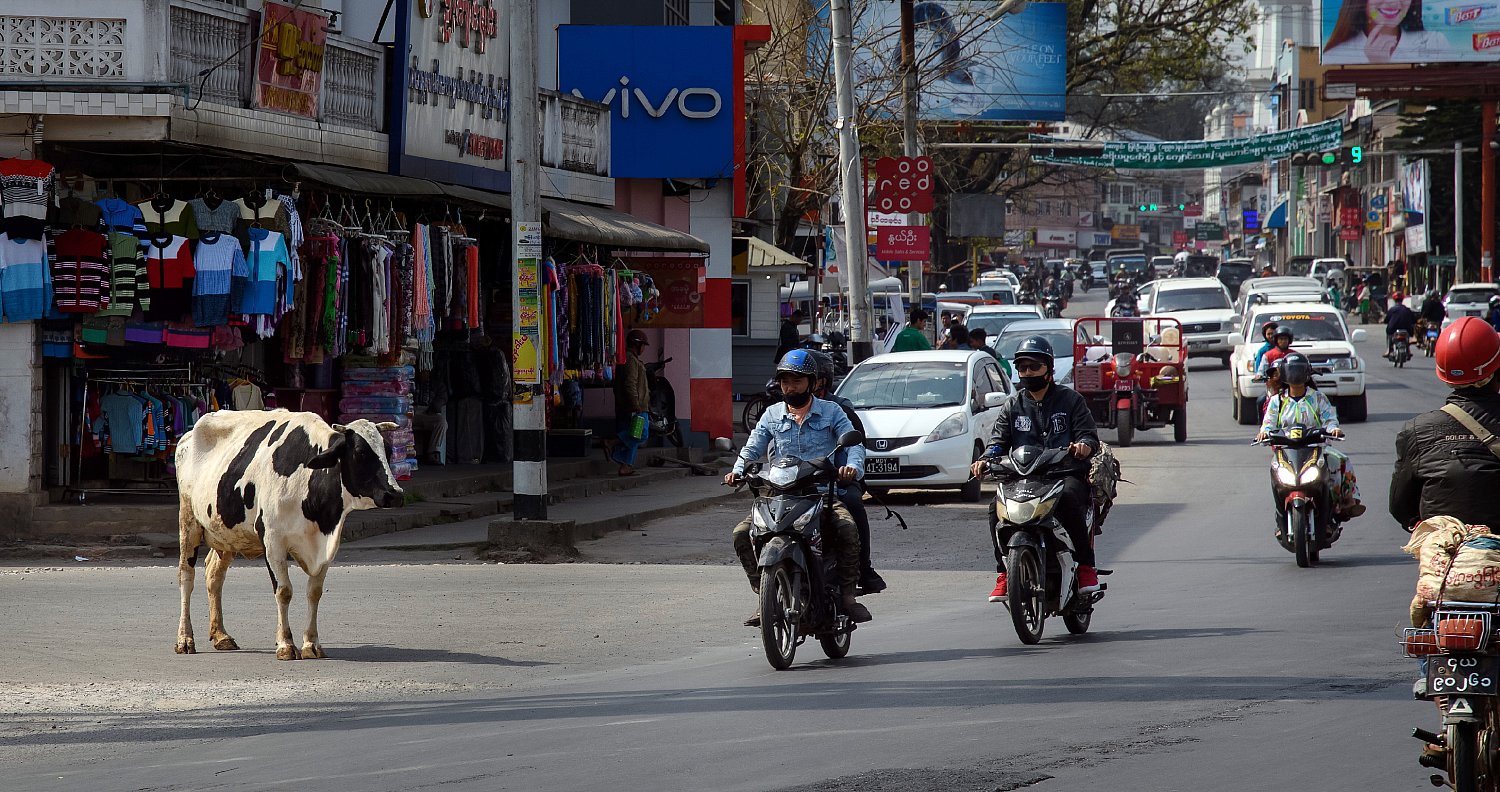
(457, 506)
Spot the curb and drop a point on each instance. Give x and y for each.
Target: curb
(565, 534)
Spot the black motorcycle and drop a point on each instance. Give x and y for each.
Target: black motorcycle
(1040, 569)
(1088, 282)
(799, 590)
(1400, 348)
(1051, 306)
(663, 403)
(1126, 305)
(756, 405)
(1305, 520)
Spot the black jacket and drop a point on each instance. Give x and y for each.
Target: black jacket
(1399, 317)
(1062, 417)
(1442, 469)
(1433, 311)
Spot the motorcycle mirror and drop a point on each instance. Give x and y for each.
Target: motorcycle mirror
(851, 438)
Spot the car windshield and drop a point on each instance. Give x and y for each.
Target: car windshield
(1471, 295)
(992, 323)
(1190, 300)
(905, 384)
(1306, 326)
(1061, 341)
(1129, 263)
(1003, 295)
(1235, 269)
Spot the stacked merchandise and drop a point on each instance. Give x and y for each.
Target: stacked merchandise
(383, 394)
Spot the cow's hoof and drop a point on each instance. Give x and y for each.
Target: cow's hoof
(312, 651)
(287, 652)
(186, 646)
(226, 644)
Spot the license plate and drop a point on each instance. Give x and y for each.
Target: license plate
(882, 465)
(1474, 675)
(1199, 344)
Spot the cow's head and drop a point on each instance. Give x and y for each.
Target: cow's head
(359, 451)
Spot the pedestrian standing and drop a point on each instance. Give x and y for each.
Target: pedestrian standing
(632, 404)
(791, 334)
(912, 338)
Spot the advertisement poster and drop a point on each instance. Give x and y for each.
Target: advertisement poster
(1408, 31)
(903, 243)
(456, 71)
(972, 67)
(680, 283)
(526, 357)
(289, 63)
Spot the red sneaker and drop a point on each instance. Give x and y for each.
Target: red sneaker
(998, 595)
(1088, 579)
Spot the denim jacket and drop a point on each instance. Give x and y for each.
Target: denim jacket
(778, 434)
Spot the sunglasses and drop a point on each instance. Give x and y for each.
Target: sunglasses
(1024, 366)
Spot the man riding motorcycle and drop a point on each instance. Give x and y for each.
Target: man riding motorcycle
(1399, 317)
(1300, 405)
(1048, 415)
(870, 582)
(806, 427)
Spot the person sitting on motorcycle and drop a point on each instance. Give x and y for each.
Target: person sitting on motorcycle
(804, 426)
(1050, 291)
(1045, 414)
(1302, 406)
(1268, 333)
(1494, 314)
(870, 582)
(1432, 311)
(1399, 317)
(1284, 338)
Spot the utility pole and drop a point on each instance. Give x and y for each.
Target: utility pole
(529, 474)
(909, 127)
(1458, 212)
(850, 172)
(1487, 195)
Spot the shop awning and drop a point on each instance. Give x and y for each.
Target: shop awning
(1278, 216)
(753, 253)
(385, 184)
(599, 226)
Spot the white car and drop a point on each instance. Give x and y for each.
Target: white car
(999, 291)
(1202, 306)
(1324, 267)
(927, 416)
(1324, 337)
(1289, 284)
(995, 318)
(1058, 332)
(1468, 299)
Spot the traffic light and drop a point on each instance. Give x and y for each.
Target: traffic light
(1346, 155)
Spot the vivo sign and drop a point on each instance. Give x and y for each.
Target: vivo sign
(668, 89)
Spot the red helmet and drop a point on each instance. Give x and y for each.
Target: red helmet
(1468, 352)
(1398, 296)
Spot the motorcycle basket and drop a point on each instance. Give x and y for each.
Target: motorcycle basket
(1462, 631)
(1418, 642)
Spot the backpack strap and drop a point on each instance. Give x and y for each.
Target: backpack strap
(1477, 429)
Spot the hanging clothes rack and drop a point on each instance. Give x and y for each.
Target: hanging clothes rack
(179, 377)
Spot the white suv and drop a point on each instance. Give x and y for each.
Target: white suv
(1322, 335)
(1203, 307)
(1468, 299)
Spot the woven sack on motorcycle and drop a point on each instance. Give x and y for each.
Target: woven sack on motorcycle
(1436, 542)
(1104, 472)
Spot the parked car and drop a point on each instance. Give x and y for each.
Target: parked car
(926, 416)
(1058, 332)
(1468, 299)
(1234, 272)
(1202, 306)
(1322, 335)
(995, 290)
(1324, 268)
(1260, 289)
(995, 318)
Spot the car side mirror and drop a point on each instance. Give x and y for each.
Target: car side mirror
(1235, 339)
(851, 438)
(993, 399)
(1358, 335)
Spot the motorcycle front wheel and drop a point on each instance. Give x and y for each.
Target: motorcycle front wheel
(1024, 585)
(778, 631)
(1299, 527)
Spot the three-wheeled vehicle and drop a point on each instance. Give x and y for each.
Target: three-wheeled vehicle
(1132, 371)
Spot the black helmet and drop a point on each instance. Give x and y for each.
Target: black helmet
(1296, 369)
(1035, 347)
(1285, 330)
(799, 361)
(824, 363)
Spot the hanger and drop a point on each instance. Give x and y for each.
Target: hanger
(161, 202)
(255, 199)
(211, 199)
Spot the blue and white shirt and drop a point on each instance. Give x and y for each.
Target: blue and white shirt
(778, 434)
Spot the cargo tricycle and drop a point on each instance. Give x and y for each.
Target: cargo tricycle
(1132, 371)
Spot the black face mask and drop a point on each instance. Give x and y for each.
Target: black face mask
(1034, 382)
(797, 400)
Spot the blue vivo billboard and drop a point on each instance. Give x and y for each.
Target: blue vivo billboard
(971, 66)
(670, 92)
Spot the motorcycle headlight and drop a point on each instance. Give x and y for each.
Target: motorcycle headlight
(1122, 364)
(1067, 379)
(801, 522)
(952, 426)
(1286, 476)
(1311, 474)
(1022, 512)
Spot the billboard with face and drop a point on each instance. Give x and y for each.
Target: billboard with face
(1410, 31)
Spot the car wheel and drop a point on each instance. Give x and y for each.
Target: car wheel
(1225, 357)
(1249, 410)
(970, 491)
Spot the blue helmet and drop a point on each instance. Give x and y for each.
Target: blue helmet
(799, 361)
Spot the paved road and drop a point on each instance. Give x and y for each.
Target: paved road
(1214, 663)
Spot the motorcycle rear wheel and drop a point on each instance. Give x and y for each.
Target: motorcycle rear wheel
(1077, 622)
(778, 633)
(753, 410)
(835, 646)
(1463, 757)
(1023, 583)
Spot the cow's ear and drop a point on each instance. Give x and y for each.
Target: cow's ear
(386, 426)
(330, 457)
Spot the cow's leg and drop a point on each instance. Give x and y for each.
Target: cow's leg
(276, 561)
(214, 573)
(189, 536)
(310, 646)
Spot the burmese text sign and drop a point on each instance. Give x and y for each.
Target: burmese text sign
(289, 63)
(903, 243)
(1173, 154)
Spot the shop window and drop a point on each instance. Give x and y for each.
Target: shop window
(739, 308)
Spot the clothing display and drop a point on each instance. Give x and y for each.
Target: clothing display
(25, 194)
(163, 216)
(215, 214)
(25, 279)
(169, 273)
(216, 258)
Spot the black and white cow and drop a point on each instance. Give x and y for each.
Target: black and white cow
(278, 484)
